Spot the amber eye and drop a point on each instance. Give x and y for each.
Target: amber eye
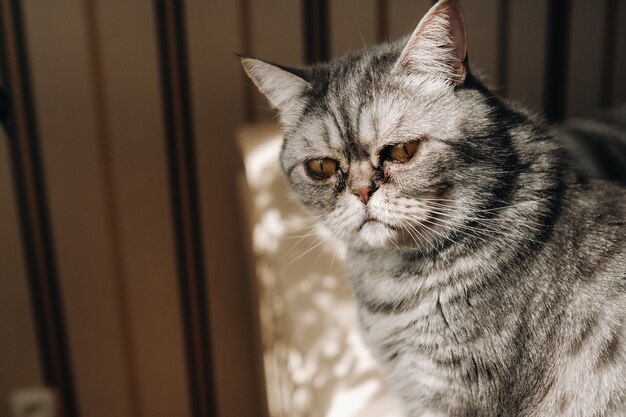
(400, 152)
(321, 169)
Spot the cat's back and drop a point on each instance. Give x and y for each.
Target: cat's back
(587, 270)
(584, 256)
(597, 143)
(591, 225)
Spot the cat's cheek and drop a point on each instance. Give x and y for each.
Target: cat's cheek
(345, 219)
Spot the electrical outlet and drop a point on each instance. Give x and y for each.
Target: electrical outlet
(33, 402)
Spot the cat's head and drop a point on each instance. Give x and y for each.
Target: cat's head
(394, 145)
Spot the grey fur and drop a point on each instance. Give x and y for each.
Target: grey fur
(598, 144)
(493, 279)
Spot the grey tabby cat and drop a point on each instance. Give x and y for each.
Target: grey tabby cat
(490, 275)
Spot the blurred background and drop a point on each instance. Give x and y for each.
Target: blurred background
(149, 259)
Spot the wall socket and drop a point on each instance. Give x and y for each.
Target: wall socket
(33, 402)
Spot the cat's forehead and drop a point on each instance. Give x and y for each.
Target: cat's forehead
(356, 105)
(359, 121)
(400, 113)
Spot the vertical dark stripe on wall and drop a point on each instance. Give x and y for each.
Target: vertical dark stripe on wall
(316, 33)
(185, 204)
(557, 59)
(245, 24)
(382, 20)
(33, 211)
(502, 52)
(111, 203)
(609, 52)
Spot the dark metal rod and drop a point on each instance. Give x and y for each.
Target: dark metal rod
(557, 59)
(503, 50)
(185, 204)
(31, 198)
(382, 22)
(609, 53)
(245, 33)
(105, 145)
(316, 31)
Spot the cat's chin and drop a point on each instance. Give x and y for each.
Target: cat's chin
(376, 234)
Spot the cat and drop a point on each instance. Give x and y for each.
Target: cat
(490, 275)
(598, 143)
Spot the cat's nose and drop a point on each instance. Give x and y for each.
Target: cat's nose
(364, 193)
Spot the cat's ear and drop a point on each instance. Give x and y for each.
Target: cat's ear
(282, 86)
(438, 45)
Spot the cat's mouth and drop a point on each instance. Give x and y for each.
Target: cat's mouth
(376, 232)
(372, 220)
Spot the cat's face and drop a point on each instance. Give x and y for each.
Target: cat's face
(376, 144)
(396, 177)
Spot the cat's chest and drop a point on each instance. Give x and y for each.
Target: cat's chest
(433, 340)
(397, 298)
(430, 362)
(424, 360)
(428, 332)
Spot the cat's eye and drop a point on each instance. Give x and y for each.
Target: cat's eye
(321, 169)
(400, 152)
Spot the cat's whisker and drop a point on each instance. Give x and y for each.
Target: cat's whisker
(395, 245)
(413, 232)
(332, 260)
(426, 238)
(443, 211)
(413, 237)
(493, 233)
(313, 234)
(488, 229)
(362, 38)
(310, 230)
(419, 199)
(407, 224)
(319, 255)
(304, 236)
(481, 230)
(307, 251)
(291, 249)
(445, 219)
(446, 238)
(499, 208)
(493, 220)
(258, 106)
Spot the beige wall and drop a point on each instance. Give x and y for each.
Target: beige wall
(96, 85)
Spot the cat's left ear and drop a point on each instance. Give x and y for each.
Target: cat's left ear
(282, 86)
(438, 46)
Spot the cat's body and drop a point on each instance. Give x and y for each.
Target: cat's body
(598, 144)
(496, 332)
(490, 276)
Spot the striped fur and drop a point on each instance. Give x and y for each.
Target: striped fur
(598, 144)
(490, 273)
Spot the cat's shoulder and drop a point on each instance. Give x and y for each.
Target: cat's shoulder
(593, 213)
(599, 191)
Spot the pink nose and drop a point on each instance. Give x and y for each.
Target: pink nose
(364, 194)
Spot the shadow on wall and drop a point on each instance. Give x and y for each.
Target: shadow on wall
(315, 361)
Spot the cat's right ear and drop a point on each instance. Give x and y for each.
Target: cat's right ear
(438, 46)
(281, 86)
